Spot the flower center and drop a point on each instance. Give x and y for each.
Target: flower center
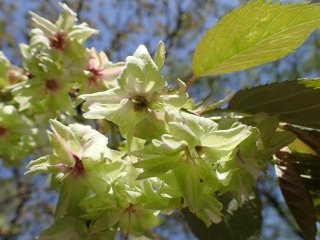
(12, 76)
(51, 85)
(93, 80)
(139, 103)
(78, 168)
(3, 131)
(57, 41)
(199, 150)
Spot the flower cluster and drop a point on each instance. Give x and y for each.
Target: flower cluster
(140, 91)
(17, 135)
(168, 157)
(100, 182)
(171, 159)
(58, 66)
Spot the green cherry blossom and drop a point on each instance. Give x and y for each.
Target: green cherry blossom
(141, 90)
(17, 135)
(45, 89)
(61, 34)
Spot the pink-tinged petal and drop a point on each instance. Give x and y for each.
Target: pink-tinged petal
(60, 166)
(112, 72)
(92, 61)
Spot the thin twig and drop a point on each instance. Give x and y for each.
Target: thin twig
(24, 198)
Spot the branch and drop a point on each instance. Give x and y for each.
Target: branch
(79, 8)
(24, 198)
(169, 39)
(19, 193)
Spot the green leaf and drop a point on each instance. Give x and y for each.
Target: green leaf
(306, 161)
(240, 222)
(296, 102)
(309, 140)
(253, 35)
(308, 168)
(296, 195)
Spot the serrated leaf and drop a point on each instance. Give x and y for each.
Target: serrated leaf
(240, 222)
(254, 34)
(308, 167)
(296, 195)
(296, 102)
(309, 139)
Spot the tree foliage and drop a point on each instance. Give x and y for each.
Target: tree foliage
(125, 149)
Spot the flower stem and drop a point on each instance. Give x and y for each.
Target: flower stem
(114, 139)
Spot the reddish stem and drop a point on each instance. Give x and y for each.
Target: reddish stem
(191, 81)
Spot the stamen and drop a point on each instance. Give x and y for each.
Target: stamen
(140, 103)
